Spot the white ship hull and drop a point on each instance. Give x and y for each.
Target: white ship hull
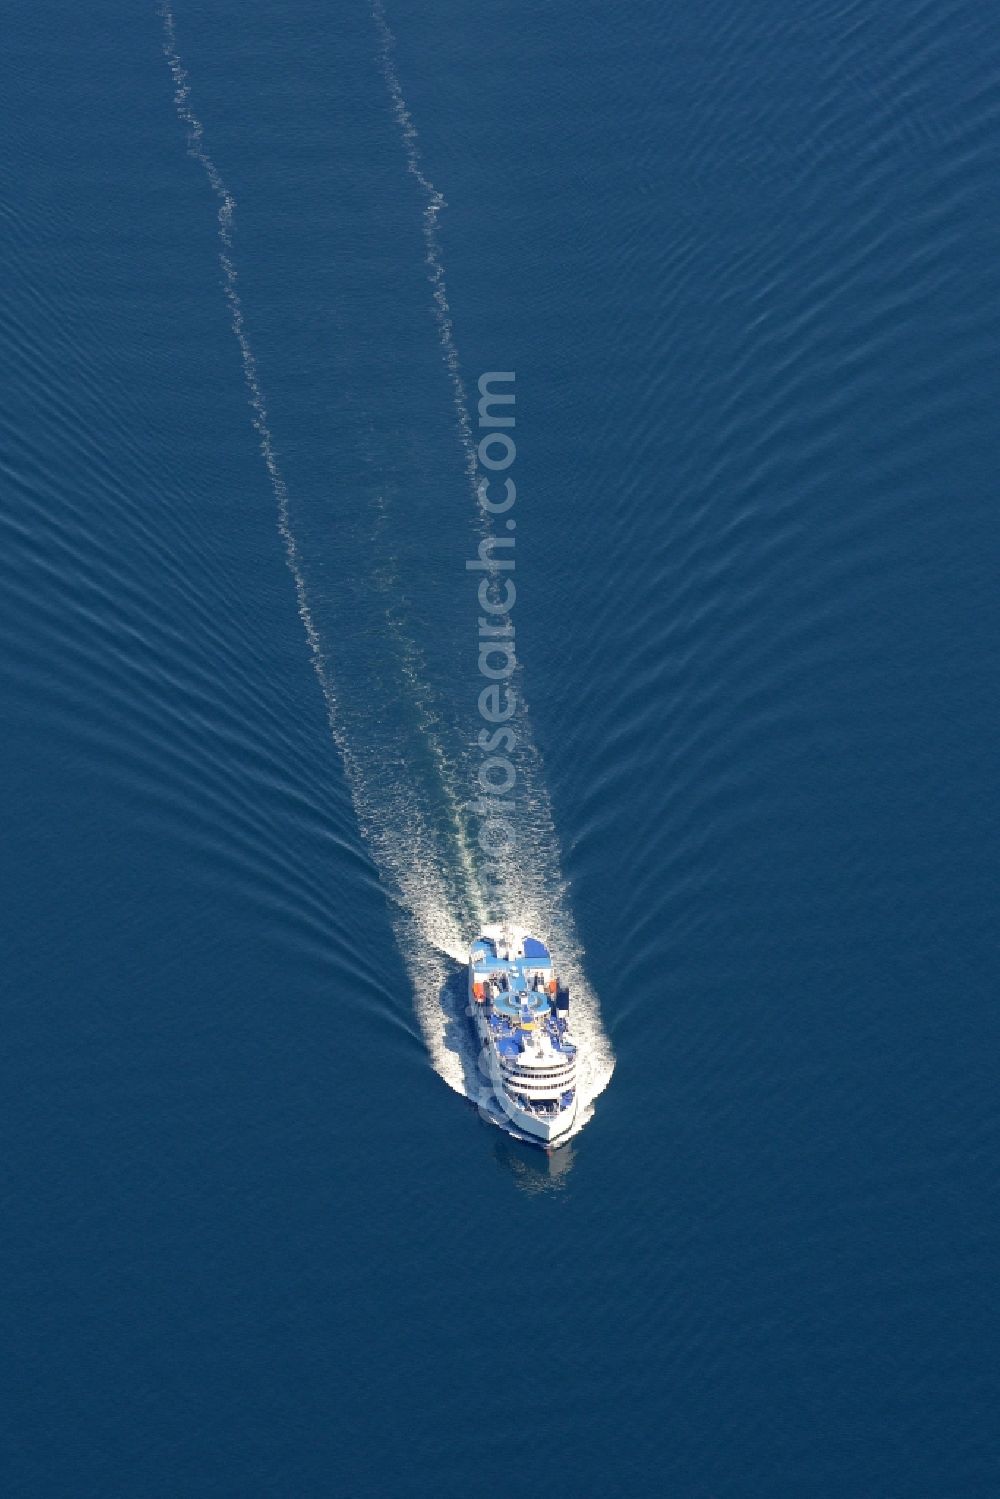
(549, 1131)
(517, 1009)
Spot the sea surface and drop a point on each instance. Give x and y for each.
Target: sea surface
(257, 1239)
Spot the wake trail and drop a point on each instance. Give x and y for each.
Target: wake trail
(536, 897)
(433, 205)
(417, 829)
(423, 902)
(227, 209)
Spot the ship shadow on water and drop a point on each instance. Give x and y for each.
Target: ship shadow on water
(534, 1170)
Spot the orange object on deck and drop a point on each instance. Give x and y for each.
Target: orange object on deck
(552, 986)
(478, 992)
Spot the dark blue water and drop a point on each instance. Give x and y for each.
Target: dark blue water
(746, 264)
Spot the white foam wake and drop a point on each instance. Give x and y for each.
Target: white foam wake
(536, 891)
(431, 881)
(433, 205)
(420, 890)
(227, 208)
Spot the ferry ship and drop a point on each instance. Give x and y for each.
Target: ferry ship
(521, 1013)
